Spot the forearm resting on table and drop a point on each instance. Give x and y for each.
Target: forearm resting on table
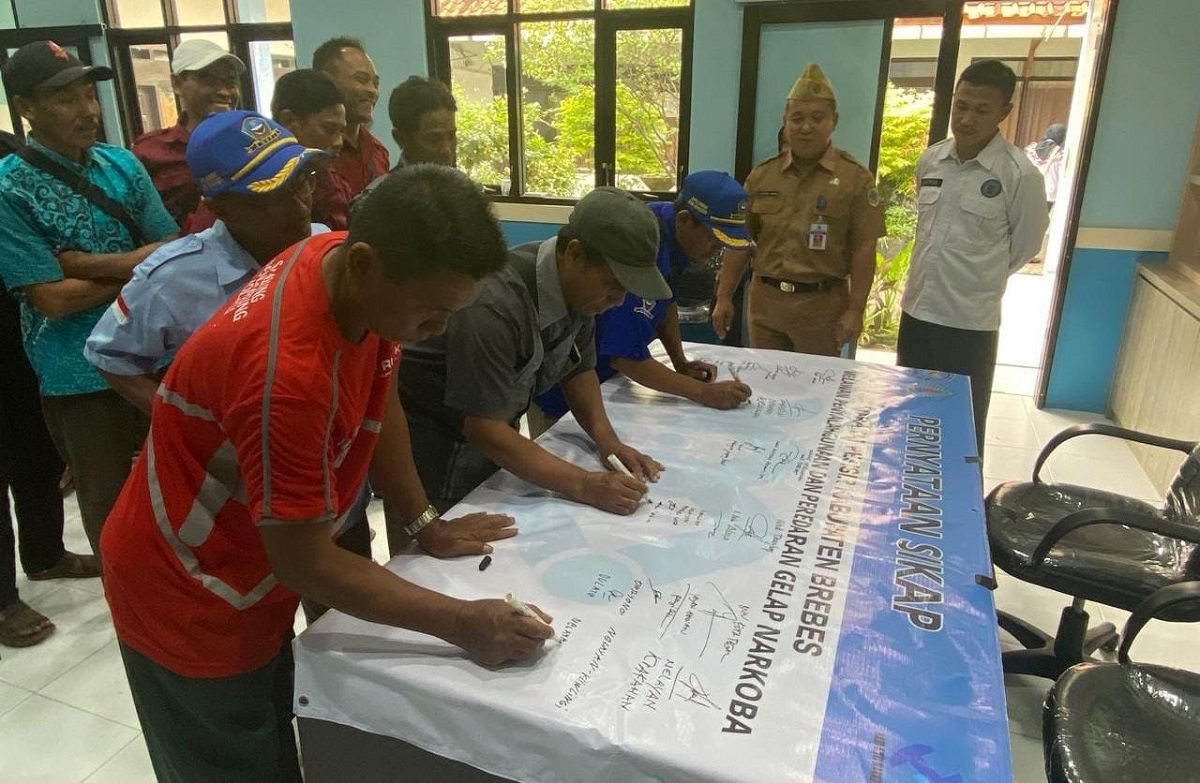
(66, 297)
(522, 457)
(733, 267)
(138, 389)
(668, 332)
(582, 391)
(305, 559)
(393, 471)
(655, 375)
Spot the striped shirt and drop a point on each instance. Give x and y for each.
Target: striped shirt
(268, 416)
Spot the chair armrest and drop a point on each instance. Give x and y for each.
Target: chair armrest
(1109, 516)
(1111, 430)
(1160, 600)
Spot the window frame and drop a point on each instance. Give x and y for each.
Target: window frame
(240, 35)
(608, 22)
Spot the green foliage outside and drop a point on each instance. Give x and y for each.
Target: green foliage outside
(558, 108)
(904, 137)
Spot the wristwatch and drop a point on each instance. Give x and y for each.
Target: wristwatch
(418, 524)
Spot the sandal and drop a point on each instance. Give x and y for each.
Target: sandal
(69, 566)
(21, 626)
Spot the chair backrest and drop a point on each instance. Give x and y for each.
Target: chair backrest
(1183, 497)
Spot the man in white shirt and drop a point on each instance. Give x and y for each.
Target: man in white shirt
(981, 214)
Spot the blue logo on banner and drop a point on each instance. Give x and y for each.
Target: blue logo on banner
(913, 757)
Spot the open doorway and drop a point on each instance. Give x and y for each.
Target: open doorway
(1054, 50)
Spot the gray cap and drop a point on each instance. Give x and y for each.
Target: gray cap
(196, 54)
(622, 229)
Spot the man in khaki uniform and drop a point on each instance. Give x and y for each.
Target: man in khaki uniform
(814, 214)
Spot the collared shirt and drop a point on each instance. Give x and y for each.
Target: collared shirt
(40, 216)
(978, 221)
(785, 202)
(351, 172)
(360, 164)
(268, 416)
(626, 331)
(171, 295)
(494, 357)
(164, 154)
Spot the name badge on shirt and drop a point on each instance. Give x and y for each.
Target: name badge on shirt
(818, 232)
(931, 182)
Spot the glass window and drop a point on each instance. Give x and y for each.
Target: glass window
(562, 89)
(478, 80)
(137, 13)
(264, 11)
(200, 11)
(471, 7)
(649, 70)
(549, 6)
(6, 112)
(616, 4)
(268, 61)
(558, 104)
(152, 81)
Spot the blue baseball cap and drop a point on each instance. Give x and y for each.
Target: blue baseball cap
(244, 152)
(719, 202)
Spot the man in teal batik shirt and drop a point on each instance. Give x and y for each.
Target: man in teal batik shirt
(66, 259)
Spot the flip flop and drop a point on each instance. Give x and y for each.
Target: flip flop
(69, 566)
(21, 626)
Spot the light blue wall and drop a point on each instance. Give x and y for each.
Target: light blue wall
(517, 232)
(1147, 118)
(716, 63)
(392, 31)
(848, 53)
(1100, 287)
(51, 13)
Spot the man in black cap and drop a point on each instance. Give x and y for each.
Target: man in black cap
(532, 327)
(75, 218)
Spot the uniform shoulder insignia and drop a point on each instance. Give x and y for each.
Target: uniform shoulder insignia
(846, 156)
(873, 196)
(184, 246)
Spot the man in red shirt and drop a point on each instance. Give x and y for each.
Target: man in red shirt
(362, 157)
(207, 79)
(262, 432)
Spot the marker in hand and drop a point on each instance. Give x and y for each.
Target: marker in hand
(619, 466)
(733, 372)
(520, 607)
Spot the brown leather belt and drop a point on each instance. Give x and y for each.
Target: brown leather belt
(790, 287)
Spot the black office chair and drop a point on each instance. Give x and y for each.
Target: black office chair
(1126, 721)
(1128, 550)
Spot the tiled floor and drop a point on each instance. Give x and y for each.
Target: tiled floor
(66, 714)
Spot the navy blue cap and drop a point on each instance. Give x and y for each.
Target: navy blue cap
(719, 202)
(244, 152)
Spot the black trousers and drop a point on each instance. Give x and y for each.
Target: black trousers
(928, 346)
(211, 730)
(29, 464)
(98, 435)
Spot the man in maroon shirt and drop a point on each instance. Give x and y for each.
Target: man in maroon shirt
(206, 79)
(362, 157)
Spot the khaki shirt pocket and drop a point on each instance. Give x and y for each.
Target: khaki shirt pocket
(765, 202)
